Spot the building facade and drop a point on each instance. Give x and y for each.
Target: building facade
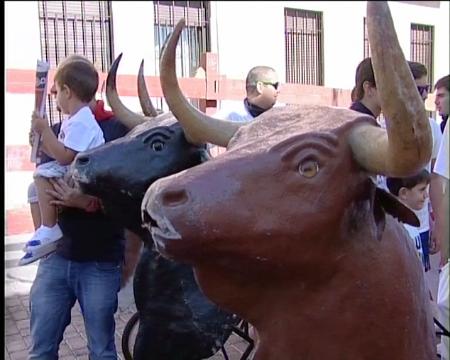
(307, 42)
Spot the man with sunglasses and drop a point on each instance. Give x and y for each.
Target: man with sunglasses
(261, 86)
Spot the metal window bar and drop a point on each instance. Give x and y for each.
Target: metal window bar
(195, 38)
(422, 47)
(74, 27)
(366, 40)
(304, 46)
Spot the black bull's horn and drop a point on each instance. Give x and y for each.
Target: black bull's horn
(144, 98)
(129, 118)
(401, 150)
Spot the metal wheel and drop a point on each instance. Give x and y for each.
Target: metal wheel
(130, 331)
(129, 335)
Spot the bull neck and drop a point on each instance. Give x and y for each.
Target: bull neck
(294, 317)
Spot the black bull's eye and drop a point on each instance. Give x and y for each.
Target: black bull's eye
(157, 145)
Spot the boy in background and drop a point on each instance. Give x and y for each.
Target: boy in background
(412, 191)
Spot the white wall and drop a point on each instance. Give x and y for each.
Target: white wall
(247, 33)
(18, 109)
(134, 35)
(22, 35)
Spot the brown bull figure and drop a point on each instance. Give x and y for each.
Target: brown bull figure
(287, 229)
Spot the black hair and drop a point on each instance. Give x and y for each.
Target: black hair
(394, 184)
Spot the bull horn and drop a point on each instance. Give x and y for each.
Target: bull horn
(125, 115)
(405, 147)
(144, 98)
(198, 127)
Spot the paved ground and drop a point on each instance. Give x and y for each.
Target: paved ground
(18, 282)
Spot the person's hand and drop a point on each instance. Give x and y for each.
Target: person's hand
(434, 243)
(444, 252)
(38, 124)
(31, 136)
(64, 194)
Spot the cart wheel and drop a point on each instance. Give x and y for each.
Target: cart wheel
(130, 331)
(129, 336)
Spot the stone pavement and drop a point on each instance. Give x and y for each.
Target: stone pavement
(18, 282)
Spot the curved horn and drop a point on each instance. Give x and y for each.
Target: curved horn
(125, 115)
(144, 98)
(198, 127)
(405, 146)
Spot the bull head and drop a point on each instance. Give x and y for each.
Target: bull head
(120, 171)
(287, 230)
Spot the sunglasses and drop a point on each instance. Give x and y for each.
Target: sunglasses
(275, 85)
(423, 89)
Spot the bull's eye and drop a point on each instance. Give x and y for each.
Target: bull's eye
(157, 145)
(308, 168)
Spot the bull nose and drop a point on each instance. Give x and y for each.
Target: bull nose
(82, 160)
(174, 197)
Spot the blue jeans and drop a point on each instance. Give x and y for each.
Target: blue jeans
(58, 284)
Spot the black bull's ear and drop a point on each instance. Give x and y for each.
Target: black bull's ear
(390, 204)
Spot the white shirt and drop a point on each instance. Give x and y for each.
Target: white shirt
(81, 131)
(443, 309)
(236, 111)
(441, 165)
(414, 235)
(233, 111)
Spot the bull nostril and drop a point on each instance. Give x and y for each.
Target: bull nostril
(174, 197)
(82, 160)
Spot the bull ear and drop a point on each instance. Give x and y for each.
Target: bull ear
(198, 127)
(125, 115)
(405, 147)
(394, 207)
(144, 98)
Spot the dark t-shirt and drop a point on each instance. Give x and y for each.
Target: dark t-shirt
(360, 107)
(91, 236)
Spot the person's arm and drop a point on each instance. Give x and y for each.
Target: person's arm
(51, 146)
(437, 186)
(66, 195)
(441, 227)
(133, 247)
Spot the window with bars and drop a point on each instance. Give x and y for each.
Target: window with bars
(422, 47)
(195, 38)
(75, 27)
(366, 40)
(304, 46)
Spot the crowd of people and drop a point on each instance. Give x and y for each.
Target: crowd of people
(81, 250)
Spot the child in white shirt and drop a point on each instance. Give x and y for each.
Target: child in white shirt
(412, 191)
(76, 83)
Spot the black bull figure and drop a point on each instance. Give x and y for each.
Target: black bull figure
(176, 321)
